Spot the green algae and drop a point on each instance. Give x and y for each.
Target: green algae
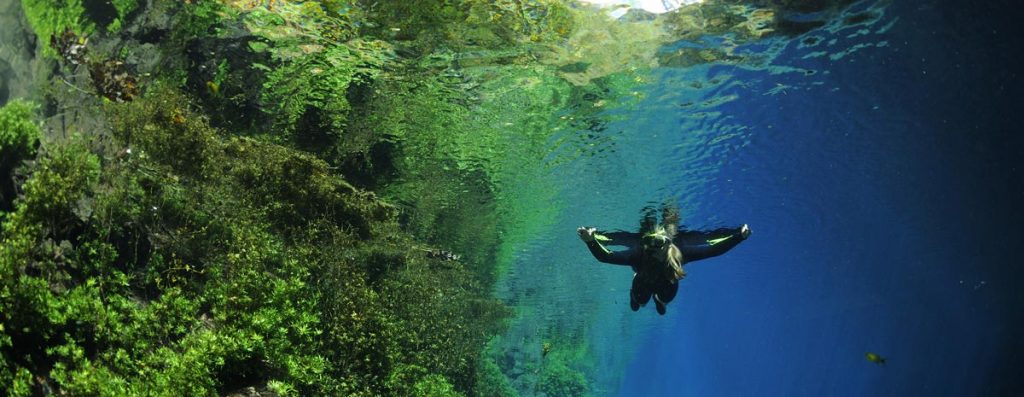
(50, 18)
(200, 254)
(19, 136)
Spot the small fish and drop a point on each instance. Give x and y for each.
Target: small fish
(546, 349)
(875, 358)
(178, 118)
(213, 87)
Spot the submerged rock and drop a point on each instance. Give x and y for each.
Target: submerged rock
(20, 68)
(253, 391)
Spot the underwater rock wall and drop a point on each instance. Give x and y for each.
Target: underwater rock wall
(19, 66)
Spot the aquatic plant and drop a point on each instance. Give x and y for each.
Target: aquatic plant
(34, 254)
(189, 262)
(558, 379)
(123, 9)
(434, 386)
(491, 381)
(19, 135)
(49, 18)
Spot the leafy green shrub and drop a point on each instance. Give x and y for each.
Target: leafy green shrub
(123, 8)
(19, 131)
(557, 379)
(52, 17)
(397, 310)
(434, 386)
(294, 188)
(491, 382)
(19, 135)
(40, 298)
(57, 189)
(191, 262)
(165, 129)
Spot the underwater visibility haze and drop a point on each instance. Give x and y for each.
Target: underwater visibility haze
(366, 198)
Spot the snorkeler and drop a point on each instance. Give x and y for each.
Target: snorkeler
(658, 253)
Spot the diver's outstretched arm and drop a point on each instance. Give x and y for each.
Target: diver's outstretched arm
(697, 245)
(618, 237)
(592, 239)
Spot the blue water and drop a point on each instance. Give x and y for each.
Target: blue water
(884, 191)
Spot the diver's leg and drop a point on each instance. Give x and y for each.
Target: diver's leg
(639, 294)
(696, 245)
(665, 293)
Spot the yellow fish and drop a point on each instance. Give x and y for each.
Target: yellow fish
(875, 358)
(213, 87)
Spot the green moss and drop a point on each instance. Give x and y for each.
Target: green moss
(165, 130)
(193, 262)
(196, 20)
(125, 7)
(558, 379)
(52, 195)
(434, 386)
(32, 264)
(19, 132)
(51, 17)
(414, 380)
(19, 136)
(20, 384)
(562, 372)
(491, 382)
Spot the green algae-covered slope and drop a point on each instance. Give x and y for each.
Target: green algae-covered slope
(265, 197)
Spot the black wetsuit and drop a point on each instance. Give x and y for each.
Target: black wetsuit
(650, 277)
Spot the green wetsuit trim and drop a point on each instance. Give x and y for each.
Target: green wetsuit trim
(598, 239)
(718, 240)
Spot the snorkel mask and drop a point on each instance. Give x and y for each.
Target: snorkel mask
(655, 242)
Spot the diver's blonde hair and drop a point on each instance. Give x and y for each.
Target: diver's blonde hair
(674, 257)
(675, 262)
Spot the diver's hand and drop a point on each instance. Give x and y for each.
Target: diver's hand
(745, 231)
(586, 233)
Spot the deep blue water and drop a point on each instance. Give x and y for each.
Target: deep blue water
(885, 195)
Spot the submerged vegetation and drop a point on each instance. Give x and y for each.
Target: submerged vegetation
(19, 135)
(299, 198)
(193, 262)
